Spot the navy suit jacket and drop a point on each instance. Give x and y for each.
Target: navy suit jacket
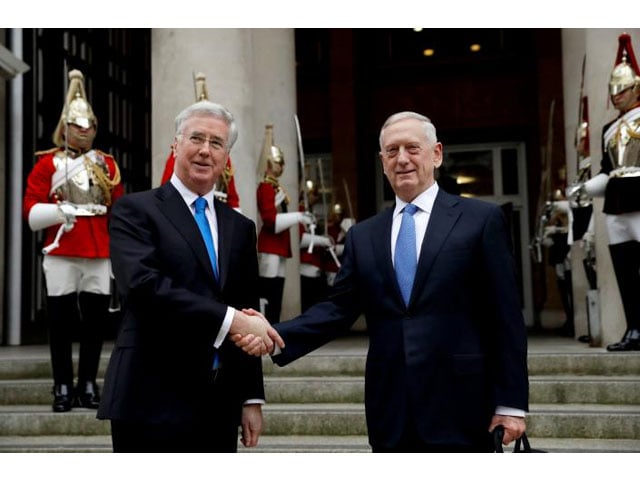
(160, 370)
(444, 362)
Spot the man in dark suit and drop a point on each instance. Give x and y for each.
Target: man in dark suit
(447, 364)
(174, 383)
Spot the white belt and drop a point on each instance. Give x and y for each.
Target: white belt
(625, 172)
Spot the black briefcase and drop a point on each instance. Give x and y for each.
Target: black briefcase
(522, 444)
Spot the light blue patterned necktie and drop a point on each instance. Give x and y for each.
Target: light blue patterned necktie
(205, 230)
(405, 255)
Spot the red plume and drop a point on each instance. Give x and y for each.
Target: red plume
(624, 47)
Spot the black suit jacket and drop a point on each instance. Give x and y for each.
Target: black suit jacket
(457, 351)
(160, 370)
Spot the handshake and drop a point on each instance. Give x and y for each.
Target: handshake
(251, 332)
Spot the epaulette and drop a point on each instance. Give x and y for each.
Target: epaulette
(104, 154)
(44, 152)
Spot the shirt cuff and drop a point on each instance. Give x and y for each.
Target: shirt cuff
(511, 412)
(255, 401)
(226, 326)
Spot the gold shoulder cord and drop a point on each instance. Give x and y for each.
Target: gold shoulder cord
(630, 130)
(104, 182)
(227, 173)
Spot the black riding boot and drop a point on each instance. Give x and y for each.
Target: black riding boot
(271, 290)
(626, 263)
(62, 315)
(94, 310)
(312, 291)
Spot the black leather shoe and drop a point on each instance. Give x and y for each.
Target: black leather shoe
(87, 395)
(62, 398)
(629, 343)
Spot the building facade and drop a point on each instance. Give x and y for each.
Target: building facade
(504, 109)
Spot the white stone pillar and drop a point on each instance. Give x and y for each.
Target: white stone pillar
(600, 46)
(252, 73)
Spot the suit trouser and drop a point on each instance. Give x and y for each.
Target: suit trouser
(202, 437)
(412, 442)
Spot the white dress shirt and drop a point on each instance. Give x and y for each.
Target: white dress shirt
(424, 202)
(189, 198)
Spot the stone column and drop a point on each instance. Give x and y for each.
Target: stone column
(252, 73)
(600, 47)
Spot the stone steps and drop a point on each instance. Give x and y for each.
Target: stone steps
(341, 419)
(543, 389)
(582, 400)
(294, 444)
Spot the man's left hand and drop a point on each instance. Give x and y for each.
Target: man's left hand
(251, 424)
(514, 427)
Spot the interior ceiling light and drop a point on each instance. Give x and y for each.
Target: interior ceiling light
(428, 52)
(417, 29)
(475, 47)
(465, 179)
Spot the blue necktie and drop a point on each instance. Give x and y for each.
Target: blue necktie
(205, 230)
(405, 254)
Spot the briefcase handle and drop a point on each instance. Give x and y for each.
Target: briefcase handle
(522, 444)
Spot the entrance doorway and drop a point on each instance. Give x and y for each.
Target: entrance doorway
(494, 172)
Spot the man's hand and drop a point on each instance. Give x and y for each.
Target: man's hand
(251, 424)
(253, 333)
(346, 224)
(306, 218)
(514, 427)
(67, 213)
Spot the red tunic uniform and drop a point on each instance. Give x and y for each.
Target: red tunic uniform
(89, 238)
(233, 199)
(268, 240)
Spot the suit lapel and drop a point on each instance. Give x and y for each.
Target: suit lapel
(172, 205)
(225, 231)
(443, 217)
(382, 249)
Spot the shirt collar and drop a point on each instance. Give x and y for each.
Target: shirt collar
(424, 201)
(187, 195)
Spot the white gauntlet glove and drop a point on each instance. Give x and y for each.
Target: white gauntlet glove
(317, 241)
(346, 224)
(597, 185)
(285, 221)
(43, 215)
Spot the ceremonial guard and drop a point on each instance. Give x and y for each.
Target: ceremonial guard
(313, 248)
(226, 186)
(580, 208)
(619, 183)
(69, 193)
(337, 228)
(274, 240)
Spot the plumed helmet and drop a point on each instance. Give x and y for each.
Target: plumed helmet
(271, 153)
(200, 84)
(625, 73)
(276, 155)
(77, 109)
